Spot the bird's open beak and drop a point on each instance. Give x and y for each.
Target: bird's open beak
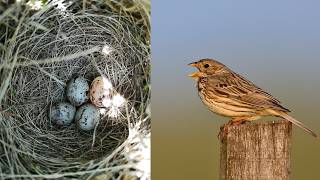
(194, 64)
(195, 74)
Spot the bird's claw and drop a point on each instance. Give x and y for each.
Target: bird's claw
(224, 128)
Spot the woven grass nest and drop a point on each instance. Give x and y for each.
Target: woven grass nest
(47, 49)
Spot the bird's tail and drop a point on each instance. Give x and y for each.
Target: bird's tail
(298, 123)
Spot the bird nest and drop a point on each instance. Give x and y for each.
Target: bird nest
(48, 49)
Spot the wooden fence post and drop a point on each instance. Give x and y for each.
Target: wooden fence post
(256, 151)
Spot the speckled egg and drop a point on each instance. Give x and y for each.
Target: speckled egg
(100, 92)
(77, 90)
(62, 113)
(87, 117)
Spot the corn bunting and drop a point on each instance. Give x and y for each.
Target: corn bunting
(229, 94)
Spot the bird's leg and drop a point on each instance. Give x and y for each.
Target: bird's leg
(224, 128)
(239, 120)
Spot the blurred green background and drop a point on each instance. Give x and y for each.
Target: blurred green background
(275, 44)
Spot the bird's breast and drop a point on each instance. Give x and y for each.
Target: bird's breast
(221, 105)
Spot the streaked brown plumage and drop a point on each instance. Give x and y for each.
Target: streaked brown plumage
(229, 94)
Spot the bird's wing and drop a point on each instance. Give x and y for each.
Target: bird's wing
(237, 88)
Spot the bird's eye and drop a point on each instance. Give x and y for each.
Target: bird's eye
(206, 65)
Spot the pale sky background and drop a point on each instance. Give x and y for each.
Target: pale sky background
(275, 44)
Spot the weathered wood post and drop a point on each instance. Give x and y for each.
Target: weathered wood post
(256, 151)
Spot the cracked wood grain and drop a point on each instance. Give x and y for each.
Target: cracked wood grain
(256, 151)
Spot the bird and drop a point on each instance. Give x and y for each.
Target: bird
(229, 94)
